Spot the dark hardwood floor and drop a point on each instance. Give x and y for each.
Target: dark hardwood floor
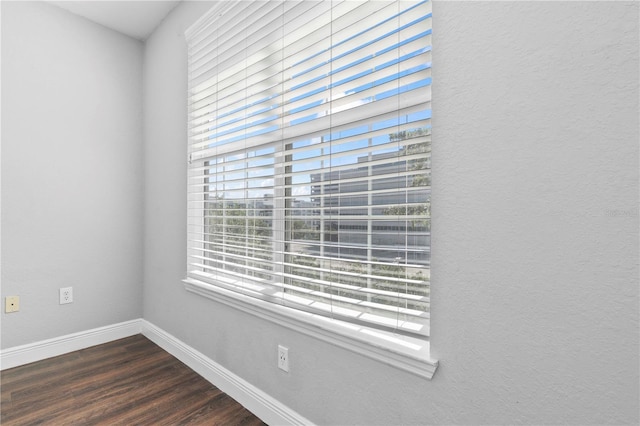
(130, 381)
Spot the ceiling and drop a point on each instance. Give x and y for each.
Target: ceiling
(136, 19)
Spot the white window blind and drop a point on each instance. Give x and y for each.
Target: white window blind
(309, 157)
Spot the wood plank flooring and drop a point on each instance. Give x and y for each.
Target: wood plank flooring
(131, 381)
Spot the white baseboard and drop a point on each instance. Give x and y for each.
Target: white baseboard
(25, 354)
(259, 403)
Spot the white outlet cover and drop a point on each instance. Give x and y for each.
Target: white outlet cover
(283, 358)
(66, 295)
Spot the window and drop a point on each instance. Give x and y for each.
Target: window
(309, 161)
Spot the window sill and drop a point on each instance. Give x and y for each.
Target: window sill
(406, 353)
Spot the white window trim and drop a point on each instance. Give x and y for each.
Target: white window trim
(403, 352)
(409, 354)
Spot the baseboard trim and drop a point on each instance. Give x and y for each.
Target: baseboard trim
(32, 352)
(259, 403)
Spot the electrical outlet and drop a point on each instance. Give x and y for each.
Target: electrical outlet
(11, 304)
(66, 295)
(283, 358)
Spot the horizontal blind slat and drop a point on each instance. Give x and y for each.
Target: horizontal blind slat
(309, 157)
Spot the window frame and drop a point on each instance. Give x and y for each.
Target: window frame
(411, 354)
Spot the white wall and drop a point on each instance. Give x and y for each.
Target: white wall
(535, 229)
(71, 177)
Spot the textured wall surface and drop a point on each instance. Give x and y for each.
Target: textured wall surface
(535, 268)
(535, 275)
(71, 172)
